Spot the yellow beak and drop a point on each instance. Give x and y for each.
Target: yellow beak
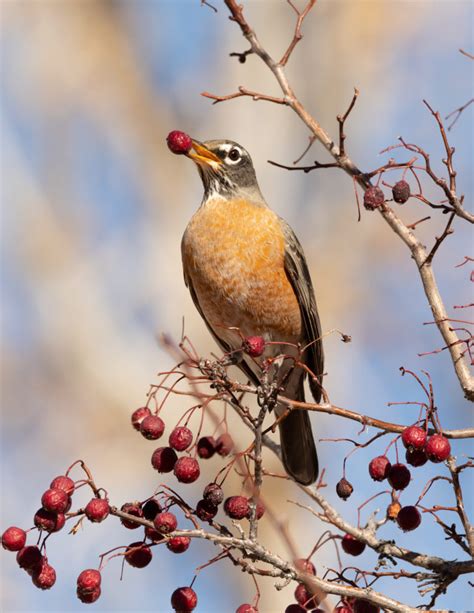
(203, 155)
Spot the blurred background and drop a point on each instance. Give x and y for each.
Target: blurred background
(93, 209)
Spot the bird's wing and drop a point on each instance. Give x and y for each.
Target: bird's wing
(298, 274)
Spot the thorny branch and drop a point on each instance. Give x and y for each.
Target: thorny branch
(344, 162)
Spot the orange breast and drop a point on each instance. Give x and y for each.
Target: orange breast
(233, 254)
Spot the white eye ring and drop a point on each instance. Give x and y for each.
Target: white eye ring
(234, 156)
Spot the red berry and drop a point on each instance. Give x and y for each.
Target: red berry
(165, 522)
(138, 555)
(50, 522)
(97, 509)
(414, 437)
(151, 508)
(181, 438)
(187, 470)
(254, 346)
(373, 198)
(139, 415)
(438, 448)
(89, 580)
(344, 488)
(416, 457)
(304, 597)
(54, 500)
(364, 606)
(206, 510)
(401, 191)
(206, 447)
(295, 608)
(246, 608)
(305, 566)
(44, 576)
(153, 535)
(164, 459)
(184, 599)
(224, 444)
(408, 518)
(13, 539)
(131, 508)
(236, 507)
(379, 468)
(352, 546)
(152, 427)
(63, 483)
(399, 476)
(178, 544)
(88, 597)
(260, 510)
(213, 493)
(29, 557)
(179, 142)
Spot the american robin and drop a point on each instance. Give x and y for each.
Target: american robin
(246, 269)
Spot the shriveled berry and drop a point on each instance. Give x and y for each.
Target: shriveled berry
(305, 566)
(246, 608)
(187, 470)
(236, 507)
(414, 437)
(213, 493)
(351, 545)
(259, 511)
(151, 508)
(401, 191)
(399, 476)
(344, 488)
(29, 557)
(88, 597)
(89, 580)
(408, 518)
(44, 576)
(393, 510)
(63, 483)
(138, 416)
(97, 509)
(178, 544)
(131, 508)
(254, 346)
(379, 468)
(13, 539)
(184, 599)
(295, 608)
(373, 198)
(364, 606)
(138, 555)
(438, 448)
(206, 510)
(224, 444)
(55, 500)
(164, 459)
(180, 438)
(152, 427)
(179, 142)
(304, 597)
(165, 522)
(50, 522)
(416, 457)
(206, 447)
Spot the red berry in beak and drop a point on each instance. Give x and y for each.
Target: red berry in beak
(179, 142)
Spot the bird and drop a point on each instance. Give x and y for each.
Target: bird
(247, 275)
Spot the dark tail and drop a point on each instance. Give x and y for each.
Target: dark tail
(297, 446)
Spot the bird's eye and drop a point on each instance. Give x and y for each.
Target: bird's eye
(234, 155)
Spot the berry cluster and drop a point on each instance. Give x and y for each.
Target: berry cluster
(375, 198)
